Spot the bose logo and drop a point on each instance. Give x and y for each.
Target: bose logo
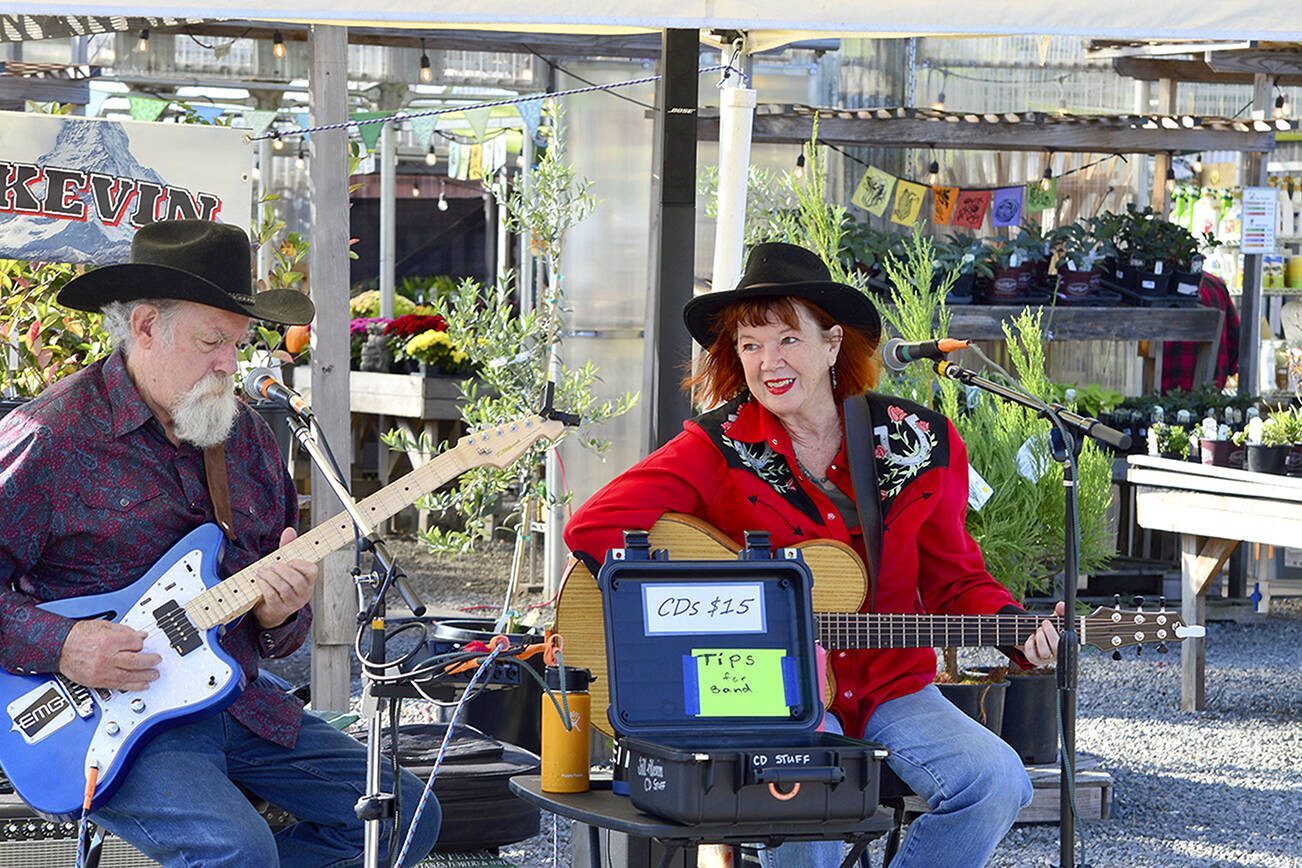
(682, 111)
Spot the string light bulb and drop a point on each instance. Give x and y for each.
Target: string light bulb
(1197, 167)
(1047, 181)
(142, 44)
(277, 143)
(933, 173)
(426, 73)
(431, 158)
(1280, 106)
(939, 104)
(1170, 178)
(800, 166)
(300, 162)
(415, 190)
(277, 44)
(443, 202)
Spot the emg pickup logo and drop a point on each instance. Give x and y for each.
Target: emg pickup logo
(40, 712)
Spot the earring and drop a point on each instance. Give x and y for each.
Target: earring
(832, 370)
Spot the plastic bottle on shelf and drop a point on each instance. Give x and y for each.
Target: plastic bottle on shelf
(1205, 215)
(1284, 211)
(1229, 229)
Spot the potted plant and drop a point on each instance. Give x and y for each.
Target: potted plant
(1033, 253)
(958, 256)
(1269, 454)
(997, 262)
(1078, 253)
(979, 693)
(1290, 422)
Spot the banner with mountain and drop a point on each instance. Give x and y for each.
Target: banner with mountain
(76, 189)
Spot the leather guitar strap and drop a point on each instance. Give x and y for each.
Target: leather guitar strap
(863, 476)
(219, 490)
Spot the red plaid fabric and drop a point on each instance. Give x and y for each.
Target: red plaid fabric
(1179, 358)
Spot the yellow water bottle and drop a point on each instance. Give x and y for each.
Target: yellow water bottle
(565, 748)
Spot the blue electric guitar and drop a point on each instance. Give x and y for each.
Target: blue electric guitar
(61, 733)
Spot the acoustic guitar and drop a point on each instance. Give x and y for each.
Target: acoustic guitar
(59, 731)
(839, 590)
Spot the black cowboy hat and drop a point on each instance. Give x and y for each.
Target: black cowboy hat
(775, 269)
(191, 260)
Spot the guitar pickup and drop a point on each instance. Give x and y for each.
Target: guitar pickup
(175, 624)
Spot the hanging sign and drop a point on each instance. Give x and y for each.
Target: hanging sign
(970, 210)
(76, 189)
(943, 200)
(1006, 209)
(1259, 204)
(908, 202)
(874, 192)
(1039, 199)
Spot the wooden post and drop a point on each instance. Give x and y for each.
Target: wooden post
(1162, 162)
(1254, 175)
(334, 603)
(1193, 609)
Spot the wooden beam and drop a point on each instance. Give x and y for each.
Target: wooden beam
(1166, 91)
(985, 323)
(1024, 136)
(1261, 62)
(15, 90)
(1158, 68)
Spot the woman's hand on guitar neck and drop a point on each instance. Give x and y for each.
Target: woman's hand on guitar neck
(1042, 646)
(98, 653)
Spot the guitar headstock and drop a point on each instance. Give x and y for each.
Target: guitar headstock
(502, 444)
(1109, 629)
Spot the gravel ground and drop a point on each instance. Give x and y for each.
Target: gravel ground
(1213, 788)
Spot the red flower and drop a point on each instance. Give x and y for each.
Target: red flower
(896, 413)
(881, 451)
(924, 425)
(412, 324)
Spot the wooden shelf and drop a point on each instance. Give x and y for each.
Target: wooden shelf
(985, 323)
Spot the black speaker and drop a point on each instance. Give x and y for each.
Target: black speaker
(28, 841)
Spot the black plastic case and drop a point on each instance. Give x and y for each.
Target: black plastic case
(696, 652)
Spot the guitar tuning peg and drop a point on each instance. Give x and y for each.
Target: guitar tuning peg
(1162, 649)
(1116, 600)
(1116, 655)
(1139, 603)
(1161, 603)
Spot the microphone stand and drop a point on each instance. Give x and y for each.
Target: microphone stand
(1066, 448)
(375, 806)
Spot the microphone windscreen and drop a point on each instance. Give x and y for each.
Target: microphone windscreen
(253, 383)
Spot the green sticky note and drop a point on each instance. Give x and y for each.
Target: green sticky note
(741, 682)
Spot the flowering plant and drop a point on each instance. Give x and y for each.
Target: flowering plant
(367, 304)
(437, 349)
(412, 324)
(41, 341)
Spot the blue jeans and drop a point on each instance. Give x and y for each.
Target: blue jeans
(973, 781)
(180, 805)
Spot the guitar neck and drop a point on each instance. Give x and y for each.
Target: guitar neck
(239, 593)
(855, 630)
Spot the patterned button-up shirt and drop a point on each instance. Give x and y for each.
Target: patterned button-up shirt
(92, 493)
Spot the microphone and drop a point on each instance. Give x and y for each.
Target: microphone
(261, 383)
(897, 354)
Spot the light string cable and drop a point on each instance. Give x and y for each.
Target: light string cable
(278, 134)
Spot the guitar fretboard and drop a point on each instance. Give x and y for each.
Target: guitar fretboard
(856, 630)
(239, 593)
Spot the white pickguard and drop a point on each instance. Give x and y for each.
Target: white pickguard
(183, 682)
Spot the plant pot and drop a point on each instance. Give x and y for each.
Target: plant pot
(1266, 459)
(1293, 464)
(1030, 723)
(1006, 283)
(1186, 282)
(984, 703)
(512, 714)
(1078, 284)
(1217, 452)
(1152, 283)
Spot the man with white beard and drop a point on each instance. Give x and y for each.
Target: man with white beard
(99, 476)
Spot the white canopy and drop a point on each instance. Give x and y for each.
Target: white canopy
(1114, 19)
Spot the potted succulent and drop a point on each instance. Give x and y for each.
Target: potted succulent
(1289, 423)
